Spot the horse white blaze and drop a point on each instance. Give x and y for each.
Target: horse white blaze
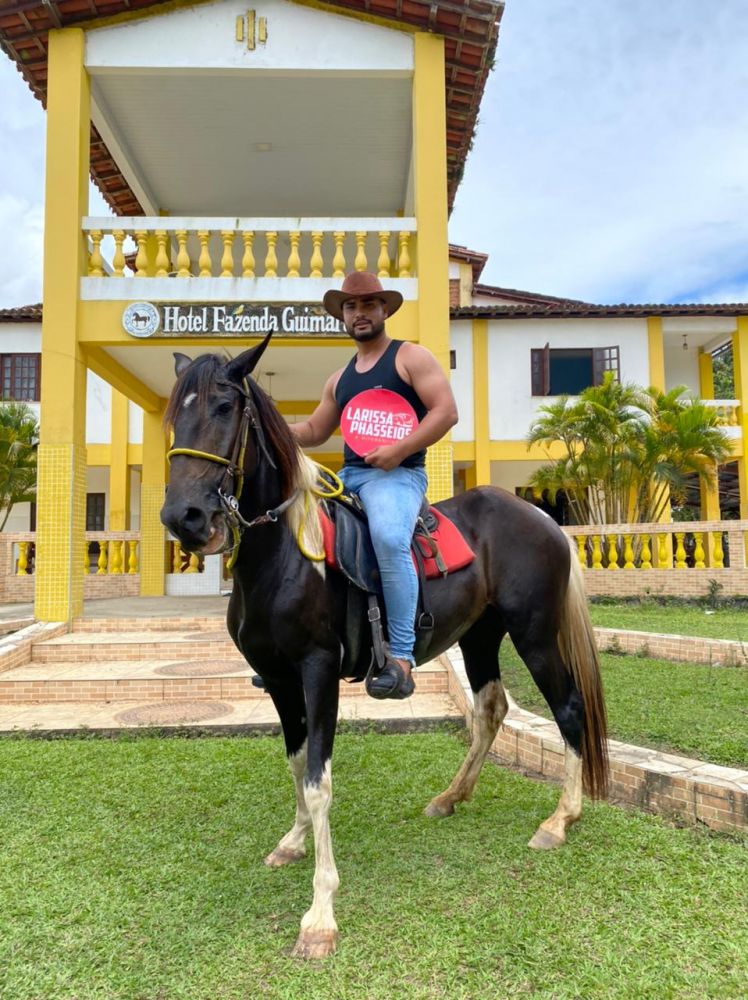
(189, 399)
(319, 930)
(490, 708)
(552, 831)
(291, 847)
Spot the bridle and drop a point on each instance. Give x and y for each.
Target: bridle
(234, 472)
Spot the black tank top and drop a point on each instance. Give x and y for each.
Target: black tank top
(382, 376)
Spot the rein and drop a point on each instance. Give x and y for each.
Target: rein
(235, 469)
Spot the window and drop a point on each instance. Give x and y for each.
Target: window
(567, 371)
(19, 377)
(95, 507)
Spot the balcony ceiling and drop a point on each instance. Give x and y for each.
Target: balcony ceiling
(300, 372)
(201, 145)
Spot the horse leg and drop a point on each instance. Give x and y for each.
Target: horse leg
(480, 649)
(289, 701)
(319, 931)
(549, 672)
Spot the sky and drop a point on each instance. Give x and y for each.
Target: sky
(610, 162)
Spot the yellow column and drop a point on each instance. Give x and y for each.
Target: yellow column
(61, 490)
(480, 403)
(430, 187)
(657, 379)
(656, 352)
(466, 284)
(709, 492)
(706, 376)
(740, 368)
(119, 472)
(152, 488)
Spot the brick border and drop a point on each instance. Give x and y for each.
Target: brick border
(664, 646)
(677, 787)
(15, 649)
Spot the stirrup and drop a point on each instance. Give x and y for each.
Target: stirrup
(390, 682)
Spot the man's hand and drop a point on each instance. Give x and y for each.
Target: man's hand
(386, 456)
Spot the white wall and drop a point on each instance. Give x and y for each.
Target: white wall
(509, 475)
(461, 341)
(512, 407)
(134, 424)
(98, 410)
(20, 338)
(203, 37)
(135, 481)
(682, 367)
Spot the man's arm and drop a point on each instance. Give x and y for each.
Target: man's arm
(426, 376)
(317, 428)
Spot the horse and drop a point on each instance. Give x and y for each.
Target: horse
(238, 480)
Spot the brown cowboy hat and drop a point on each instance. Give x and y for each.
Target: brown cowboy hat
(360, 284)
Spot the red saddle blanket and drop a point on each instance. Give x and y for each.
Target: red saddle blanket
(454, 550)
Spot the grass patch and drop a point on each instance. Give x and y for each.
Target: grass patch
(679, 619)
(131, 870)
(686, 708)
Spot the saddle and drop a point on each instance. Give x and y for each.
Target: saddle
(437, 549)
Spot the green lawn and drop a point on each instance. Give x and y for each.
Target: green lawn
(678, 619)
(131, 870)
(700, 711)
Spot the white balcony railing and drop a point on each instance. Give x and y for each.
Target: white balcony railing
(728, 414)
(243, 249)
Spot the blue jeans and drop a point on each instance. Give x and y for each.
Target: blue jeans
(392, 501)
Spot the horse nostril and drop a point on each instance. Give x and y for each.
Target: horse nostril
(194, 519)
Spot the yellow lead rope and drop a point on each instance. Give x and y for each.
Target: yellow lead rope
(334, 490)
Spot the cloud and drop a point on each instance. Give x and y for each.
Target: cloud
(23, 131)
(610, 158)
(22, 226)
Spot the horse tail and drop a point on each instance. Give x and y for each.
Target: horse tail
(579, 652)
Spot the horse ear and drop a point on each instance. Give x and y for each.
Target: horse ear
(181, 361)
(246, 362)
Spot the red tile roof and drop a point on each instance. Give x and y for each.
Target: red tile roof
(470, 29)
(571, 309)
(22, 314)
(473, 257)
(517, 296)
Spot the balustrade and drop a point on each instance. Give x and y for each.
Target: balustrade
(104, 553)
(727, 411)
(231, 248)
(182, 562)
(693, 545)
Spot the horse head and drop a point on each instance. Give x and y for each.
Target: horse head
(213, 414)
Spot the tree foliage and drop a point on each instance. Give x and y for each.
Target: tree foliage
(724, 375)
(19, 433)
(627, 451)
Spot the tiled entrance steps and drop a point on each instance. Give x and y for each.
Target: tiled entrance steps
(119, 660)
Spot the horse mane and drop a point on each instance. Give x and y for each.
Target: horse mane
(295, 470)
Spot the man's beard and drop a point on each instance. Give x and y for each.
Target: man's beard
(364, 337)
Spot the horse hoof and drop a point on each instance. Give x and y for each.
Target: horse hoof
(438, 810)
(283, 856)
(315, 944)
(545, 841)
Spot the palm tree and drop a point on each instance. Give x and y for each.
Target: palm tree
(19, 434)
(626, 450)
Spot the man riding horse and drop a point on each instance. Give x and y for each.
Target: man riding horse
(390, 479)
